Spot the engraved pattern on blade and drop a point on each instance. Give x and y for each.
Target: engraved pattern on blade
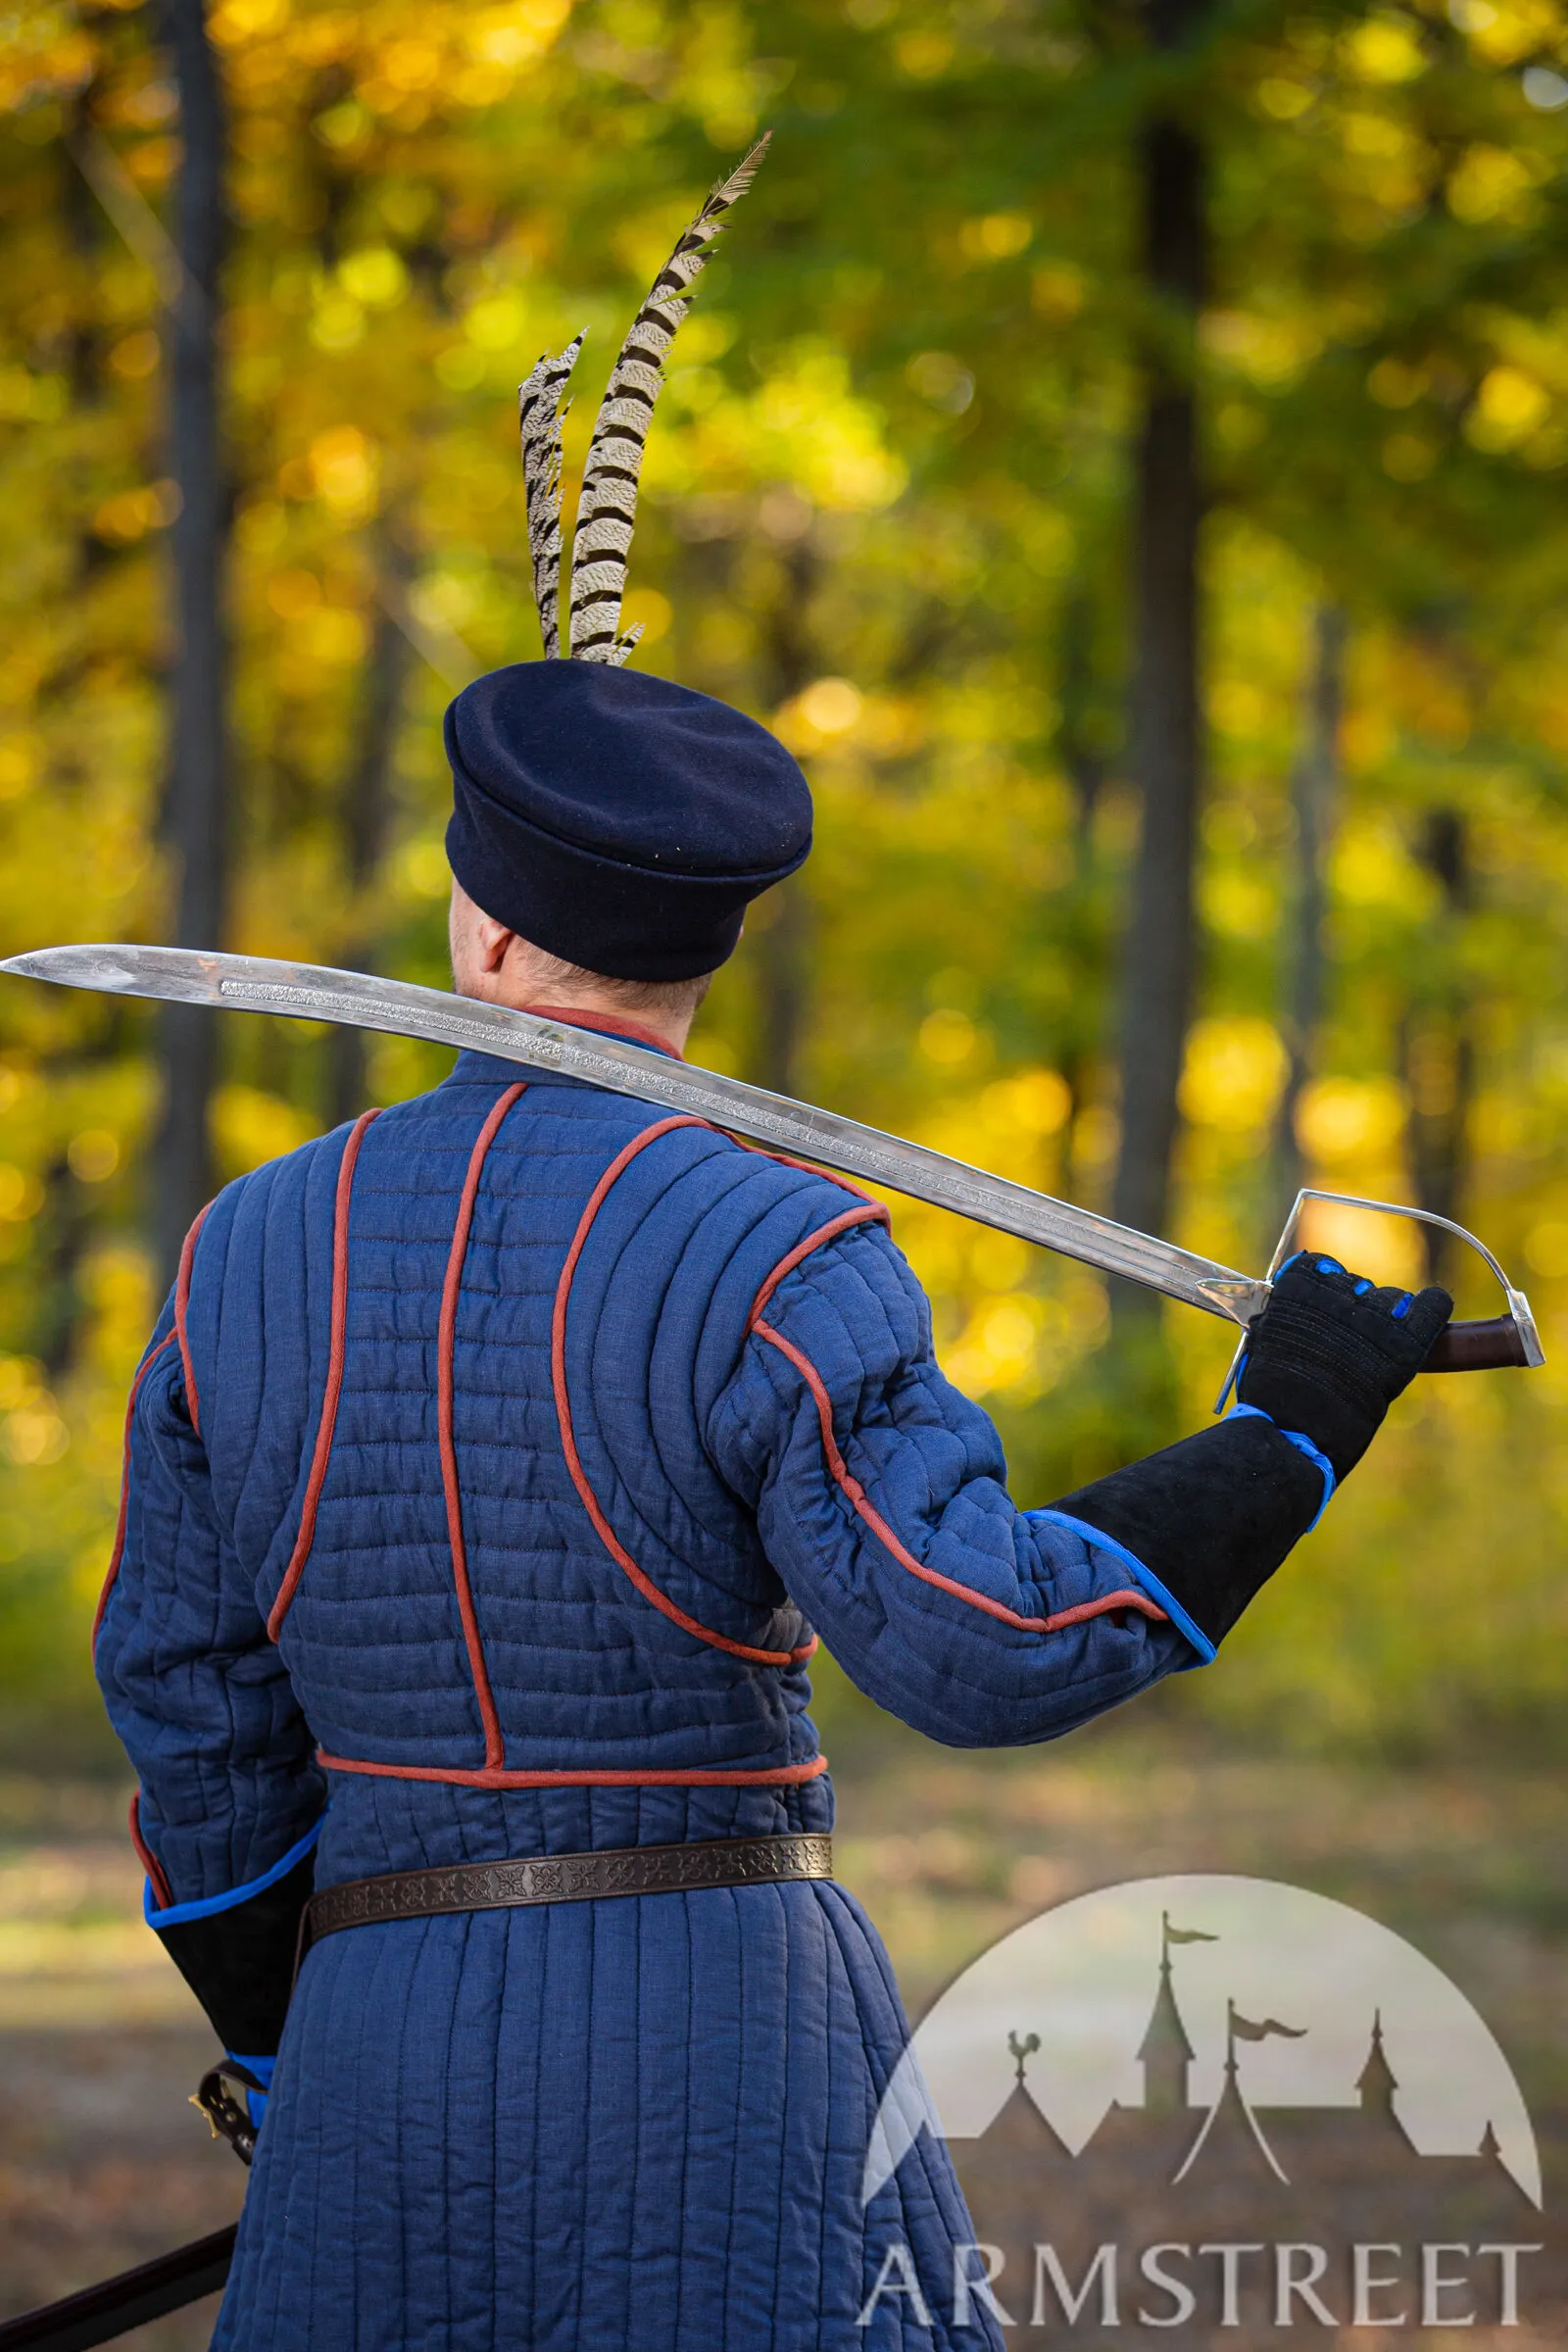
(844, 1144)
(402, 1008)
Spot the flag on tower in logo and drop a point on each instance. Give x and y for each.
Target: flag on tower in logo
(1187, 1935)
(1243, 2028)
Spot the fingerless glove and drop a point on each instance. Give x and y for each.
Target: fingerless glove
(1329, 1353)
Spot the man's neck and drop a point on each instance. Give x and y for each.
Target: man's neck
(659, 1025)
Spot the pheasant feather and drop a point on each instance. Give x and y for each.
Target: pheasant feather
(540, 418)
(608, 508)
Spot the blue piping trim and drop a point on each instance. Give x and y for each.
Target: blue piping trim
(177, 1914)
(1101, 1542)
(1303, 1444)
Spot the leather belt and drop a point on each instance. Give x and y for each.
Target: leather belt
(565, 1879)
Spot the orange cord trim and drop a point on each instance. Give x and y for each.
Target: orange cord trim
(867, 1510)
(778, 1776)
(873, 1212)
(558, 1373)
(446, 1386)
(807, 1167)
(148, 1859)
(327, 1424)
(187, 1256)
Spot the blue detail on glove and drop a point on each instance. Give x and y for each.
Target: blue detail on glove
(1325, 1265)
(1402, 1306)
(176, 1913)
(262, 2069)
(1303, 1444)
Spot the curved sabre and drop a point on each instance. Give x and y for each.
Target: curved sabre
(314, 991)
(402, 1008)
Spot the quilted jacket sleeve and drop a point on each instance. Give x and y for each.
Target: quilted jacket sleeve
(881, 1497)
(230, 1800)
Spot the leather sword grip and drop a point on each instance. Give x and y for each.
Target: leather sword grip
(1491, 1346)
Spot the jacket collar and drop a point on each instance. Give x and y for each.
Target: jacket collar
(474, 1066)
(630, 1032)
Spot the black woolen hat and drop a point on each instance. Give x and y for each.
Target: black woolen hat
(617, 820)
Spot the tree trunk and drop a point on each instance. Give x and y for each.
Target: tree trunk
(196, 811)
(1436, 1050)
(1083, 761)
(783, 935)
(367, 808)
(1314, 788)
(1166, 749)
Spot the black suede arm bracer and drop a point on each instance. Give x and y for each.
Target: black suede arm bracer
(239, 1963)
(1212, 1518)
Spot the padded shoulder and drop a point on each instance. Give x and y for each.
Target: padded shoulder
(690, 1233)
(683, 1236)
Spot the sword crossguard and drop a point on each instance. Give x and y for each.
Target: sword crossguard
(1491, 1344)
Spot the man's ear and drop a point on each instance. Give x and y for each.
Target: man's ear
(492, 941)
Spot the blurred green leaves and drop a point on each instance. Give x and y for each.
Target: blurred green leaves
(886, 510)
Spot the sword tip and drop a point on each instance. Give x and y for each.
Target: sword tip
(87, 965)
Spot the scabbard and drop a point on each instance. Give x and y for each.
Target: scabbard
(98, 2314)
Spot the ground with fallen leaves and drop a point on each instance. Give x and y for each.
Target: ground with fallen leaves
(103, 2164)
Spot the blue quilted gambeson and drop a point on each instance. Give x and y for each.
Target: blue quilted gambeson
(488, 1478)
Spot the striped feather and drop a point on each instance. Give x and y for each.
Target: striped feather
(540, 417)
(607, 507)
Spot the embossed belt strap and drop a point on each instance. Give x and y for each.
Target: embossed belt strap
(566, 1878)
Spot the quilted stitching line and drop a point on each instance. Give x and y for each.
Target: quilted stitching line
(446, 1398)
(119, 1551)
(187, 1256)
(569, 1442)
(865, 1509)
(333, 1391)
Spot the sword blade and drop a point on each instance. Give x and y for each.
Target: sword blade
(402, 1008)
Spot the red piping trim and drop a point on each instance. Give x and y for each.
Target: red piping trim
(446, 1386)
(569, 1442)
(852, 1488)
(327, 1424)
(115, 1556)
(873, 1211)
(577, 1019)
(778, 1776)
(807, 1167)
(181, 1303)
(148, 1859)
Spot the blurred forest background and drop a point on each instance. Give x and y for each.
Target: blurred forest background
(1121, 447)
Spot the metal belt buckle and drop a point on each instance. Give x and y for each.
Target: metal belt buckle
(227, 2116)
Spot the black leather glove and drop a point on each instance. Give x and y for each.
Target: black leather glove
(1329, 1353)
(239, 1963)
